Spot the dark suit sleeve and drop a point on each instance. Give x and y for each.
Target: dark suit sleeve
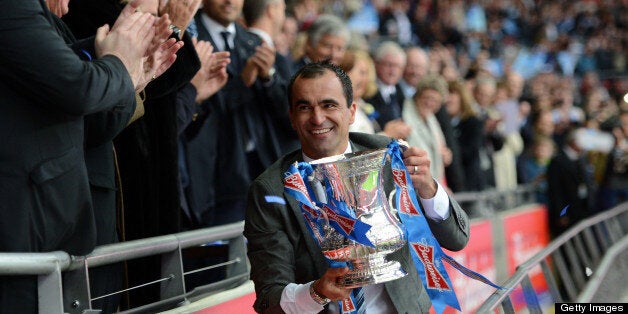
(38, 61)
(270, 251)
(102, 127)
(453, 232)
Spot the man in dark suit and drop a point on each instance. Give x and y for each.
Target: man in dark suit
(390, 61)
(287, 266)
(265, 18)
(233, 140)
(46, 90)
(570, 185)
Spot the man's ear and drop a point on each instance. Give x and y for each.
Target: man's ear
(353, 107)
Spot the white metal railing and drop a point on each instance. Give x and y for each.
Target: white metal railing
(70, 293)
(567, 262)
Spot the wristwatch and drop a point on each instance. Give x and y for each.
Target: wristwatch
(316, 297)
(175, 32)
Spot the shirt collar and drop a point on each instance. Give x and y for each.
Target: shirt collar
(263, 35)
(386, 89)
(308, 159)
(214, 28)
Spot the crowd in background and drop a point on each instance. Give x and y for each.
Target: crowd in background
(498, 92)
(523, 81)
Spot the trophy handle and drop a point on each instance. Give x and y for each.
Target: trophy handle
(391, 203)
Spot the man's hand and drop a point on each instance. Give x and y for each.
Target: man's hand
(181, 11)
(58, 7)
(264, 59)
(418, 165)
(327, 286)
(212, 75)
(159, 61)
(128, 39)
(258, 65)
(250, 72)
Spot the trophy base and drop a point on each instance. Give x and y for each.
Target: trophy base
(370, 271)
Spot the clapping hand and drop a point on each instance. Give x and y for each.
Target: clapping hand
(213, 73)
(181, 11)
(133, 27)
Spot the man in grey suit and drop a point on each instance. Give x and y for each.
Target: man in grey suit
(287, 266)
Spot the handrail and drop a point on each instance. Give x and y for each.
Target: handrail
(75, 297)
(33, 263)
(75, 283)
(521, 274)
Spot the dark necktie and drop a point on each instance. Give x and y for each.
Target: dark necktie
(394, 105)
(225, 37)
(234, 60)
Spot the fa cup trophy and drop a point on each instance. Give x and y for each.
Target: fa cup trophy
(357, 180)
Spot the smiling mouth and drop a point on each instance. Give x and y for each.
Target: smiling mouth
(321, 131)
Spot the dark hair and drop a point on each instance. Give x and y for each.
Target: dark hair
(316, 69)
(252, 10)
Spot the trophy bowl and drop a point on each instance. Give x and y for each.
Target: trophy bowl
(357, 180)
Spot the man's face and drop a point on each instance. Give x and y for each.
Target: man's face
(320, 115)
(389, 68)
(223, 11)
(328, 47)
(484, 95)
(416, 67)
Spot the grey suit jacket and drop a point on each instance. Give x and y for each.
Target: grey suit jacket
(45, 90)
(281, 250)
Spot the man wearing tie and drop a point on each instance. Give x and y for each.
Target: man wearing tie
(390, 61)
(233, 138)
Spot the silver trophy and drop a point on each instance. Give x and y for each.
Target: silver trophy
(356, 179)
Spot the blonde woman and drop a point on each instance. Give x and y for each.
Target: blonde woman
(361, 69)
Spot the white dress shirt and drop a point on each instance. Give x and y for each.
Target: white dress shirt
(214, 28)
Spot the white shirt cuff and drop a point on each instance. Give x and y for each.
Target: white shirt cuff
(296, 298)
(437, 207)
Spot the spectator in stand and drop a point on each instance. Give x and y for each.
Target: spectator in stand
(426, 131)
(233, 138)
(147, 150)
(484, 95)
(417, 66)
(327, 39)
(614, 186)
(390, 61)
(469, 132)
(48, 87)
(570, 189)
(532, 166)
(505, 159)
(359, 66)
(265, 18)
(540, 124)
(394, 24)
(286, 39)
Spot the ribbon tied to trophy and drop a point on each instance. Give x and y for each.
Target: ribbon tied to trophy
(347, 212)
